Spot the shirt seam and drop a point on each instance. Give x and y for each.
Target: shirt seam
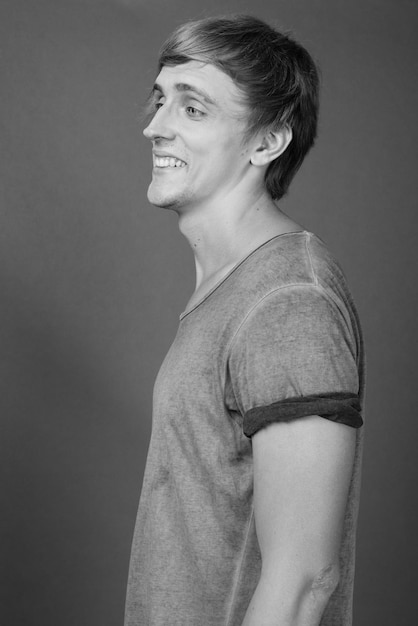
(259, 302)
(187, 312)
(308, 252)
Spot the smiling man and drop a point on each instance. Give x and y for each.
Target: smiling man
(248, 509)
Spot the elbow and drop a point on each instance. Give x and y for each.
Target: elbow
(299, 598)
(324, 584)
(317, 595)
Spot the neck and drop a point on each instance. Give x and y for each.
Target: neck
(223, 233)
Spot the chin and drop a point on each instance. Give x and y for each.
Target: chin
(163, 200)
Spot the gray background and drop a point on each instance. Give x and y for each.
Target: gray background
(92, 280)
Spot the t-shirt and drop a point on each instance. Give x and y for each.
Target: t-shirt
(276, 339)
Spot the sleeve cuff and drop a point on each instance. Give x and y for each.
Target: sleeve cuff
(340, 407)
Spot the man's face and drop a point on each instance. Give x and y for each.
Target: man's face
(197, 133)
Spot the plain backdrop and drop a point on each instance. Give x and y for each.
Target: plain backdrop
(93, 279)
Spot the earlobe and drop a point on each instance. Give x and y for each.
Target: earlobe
(272, 145)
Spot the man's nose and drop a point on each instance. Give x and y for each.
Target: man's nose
(161, 126)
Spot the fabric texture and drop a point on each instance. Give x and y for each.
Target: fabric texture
(277, 339)
(343, 408)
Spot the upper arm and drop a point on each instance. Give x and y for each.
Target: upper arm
(295, 344)
(294, 363)
(302, 473)
(296, 359)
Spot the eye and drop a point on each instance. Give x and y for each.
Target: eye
(154, 103)
(194, 112)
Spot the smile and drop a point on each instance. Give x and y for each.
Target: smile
(168, 162)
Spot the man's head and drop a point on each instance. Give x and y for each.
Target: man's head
(276, 76)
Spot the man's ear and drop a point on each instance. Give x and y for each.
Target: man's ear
(272, 144)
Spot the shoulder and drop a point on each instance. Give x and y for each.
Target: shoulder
(292, 276)
(292, 259)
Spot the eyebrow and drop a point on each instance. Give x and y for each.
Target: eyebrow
(182, 87)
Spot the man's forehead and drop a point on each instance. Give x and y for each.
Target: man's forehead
(205, 79)
(186, 87)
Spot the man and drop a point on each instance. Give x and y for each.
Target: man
(249, 502)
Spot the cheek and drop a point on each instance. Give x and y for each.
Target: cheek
(218, 152)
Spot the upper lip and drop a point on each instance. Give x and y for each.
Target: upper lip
(167, 154)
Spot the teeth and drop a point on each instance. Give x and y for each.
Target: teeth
(168, 162)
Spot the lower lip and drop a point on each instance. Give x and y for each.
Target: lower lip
(165, 169)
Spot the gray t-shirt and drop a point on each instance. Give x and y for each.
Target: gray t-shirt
(276, 339)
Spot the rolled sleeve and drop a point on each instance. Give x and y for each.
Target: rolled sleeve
(343, 408)
(295, 355)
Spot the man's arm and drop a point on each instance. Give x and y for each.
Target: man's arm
(302, 472)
